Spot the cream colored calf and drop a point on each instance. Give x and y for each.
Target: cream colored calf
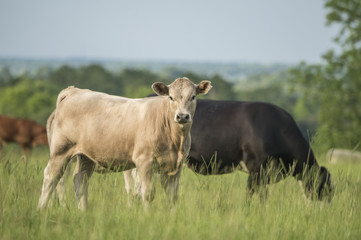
(117, 133)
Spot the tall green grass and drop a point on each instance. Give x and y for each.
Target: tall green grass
(209, 207)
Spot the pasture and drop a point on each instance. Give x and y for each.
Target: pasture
(211, 207)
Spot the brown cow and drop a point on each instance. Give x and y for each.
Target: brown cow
(25, 132)
(117, 133)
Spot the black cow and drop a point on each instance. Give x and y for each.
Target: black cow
(261, 138)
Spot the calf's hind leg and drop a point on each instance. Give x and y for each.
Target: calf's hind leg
(59, 194)
(52, 174)
(83, 171)
(132, 185)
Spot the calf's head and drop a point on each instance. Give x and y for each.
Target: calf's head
(182, 97)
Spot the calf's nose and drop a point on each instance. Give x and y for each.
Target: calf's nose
(182, 118)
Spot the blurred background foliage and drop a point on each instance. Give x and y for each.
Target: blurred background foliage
(324, 98)
(33, 95)
(333, 90)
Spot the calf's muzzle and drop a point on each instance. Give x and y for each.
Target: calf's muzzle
(183, 118)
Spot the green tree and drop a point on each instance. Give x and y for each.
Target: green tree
(6, 78)
(222, 90)
(28, 99)
(138, 82)
(335, 87)
(96, 78)
(65, 76)
(269, 87)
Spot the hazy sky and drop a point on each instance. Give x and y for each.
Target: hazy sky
(266, 31)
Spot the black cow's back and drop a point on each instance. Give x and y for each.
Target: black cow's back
(227, 132)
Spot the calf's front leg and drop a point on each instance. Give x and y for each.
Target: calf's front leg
(170, 184)
(145, 173)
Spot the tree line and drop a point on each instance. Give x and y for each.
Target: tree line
(324, 98)
(34, 96)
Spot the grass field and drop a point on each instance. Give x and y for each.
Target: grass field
(212, 207)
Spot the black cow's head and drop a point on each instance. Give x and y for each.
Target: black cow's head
(318, 184)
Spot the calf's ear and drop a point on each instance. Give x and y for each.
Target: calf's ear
(160, 89)
(203, 87)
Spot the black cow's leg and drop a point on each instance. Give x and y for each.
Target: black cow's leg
(83, 171)
(258, 177)
(257, 183)
(264, 180)
(251, 185)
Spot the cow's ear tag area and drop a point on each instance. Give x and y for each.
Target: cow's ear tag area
(203, 87)
(160, 88)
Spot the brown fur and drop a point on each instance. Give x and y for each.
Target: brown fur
(25, 132)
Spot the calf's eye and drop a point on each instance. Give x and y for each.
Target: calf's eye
(170, 98)
(194, 97)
